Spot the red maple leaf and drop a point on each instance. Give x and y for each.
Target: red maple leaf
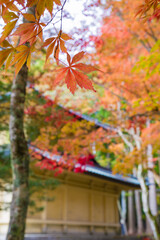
(74, 73)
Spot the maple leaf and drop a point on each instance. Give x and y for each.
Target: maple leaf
(6, 54)
(9, 16)
(29, 32)
(73, 76)
(21, 2)
(23, 55)
(41, 5)
(5, 5)
(7, 30)
(56, 43)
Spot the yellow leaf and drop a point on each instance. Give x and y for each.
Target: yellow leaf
(9, 16)
(24, 55)
(29, 60)
(62, 46)
(40, 7)
(17, 57)
(20, 63)
(65, 36)
(7, 30)
(29, 17)
(4, 54)
(5, 44)
(49, 6)
(9, 60)
(21, 48)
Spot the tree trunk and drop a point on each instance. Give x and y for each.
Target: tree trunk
(123, 211)
(152, 185)
(152, 219)
(19, 158)
(19, 154)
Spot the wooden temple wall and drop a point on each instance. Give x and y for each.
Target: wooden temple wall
(82, 204)
(76, 209)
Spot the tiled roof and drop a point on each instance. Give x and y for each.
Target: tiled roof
(99, 171)
(90, 119)
(83, 116)
(93, 170)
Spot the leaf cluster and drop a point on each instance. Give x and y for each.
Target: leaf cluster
(19, 41)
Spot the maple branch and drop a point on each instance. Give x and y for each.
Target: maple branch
(148, 48)
(61, 9)
(148, 92)
(145, 114)
(156, 176)
(152, 34)
(123, 87)
(120, 15)
(60, 32)
(136, 137)
(114, 94)
(129, 90)
(121, 134)
(62, 13)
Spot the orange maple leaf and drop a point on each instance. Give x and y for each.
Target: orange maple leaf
(41, 5)
(73, 76)
(29, 32)
(7, 29)
(6, 54)
(23, 55)
(56, 43)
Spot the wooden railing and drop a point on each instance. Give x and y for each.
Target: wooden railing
(73, 223)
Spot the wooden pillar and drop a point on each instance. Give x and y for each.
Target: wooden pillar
(91, 212)
(138, 212)
(130, 213)
(105, 214)
(91, 207)
(65, 208)
(1, 211)
(44, 217)
(105, 209)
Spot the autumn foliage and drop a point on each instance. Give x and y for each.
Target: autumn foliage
(121, 117)
(19, 41)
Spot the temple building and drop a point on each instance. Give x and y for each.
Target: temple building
(84, 204)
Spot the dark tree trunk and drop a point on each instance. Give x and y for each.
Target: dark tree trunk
(19, 158)
(19, 155)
